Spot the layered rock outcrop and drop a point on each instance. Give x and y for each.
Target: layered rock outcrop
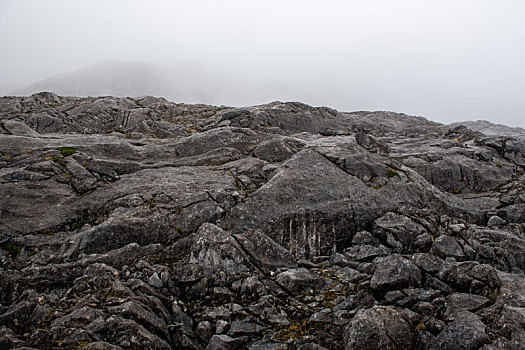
(141, 223)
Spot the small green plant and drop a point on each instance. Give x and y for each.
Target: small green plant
(392, 173)
(10, 248)
(67, 151)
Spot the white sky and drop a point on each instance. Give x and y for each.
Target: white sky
(445, 60)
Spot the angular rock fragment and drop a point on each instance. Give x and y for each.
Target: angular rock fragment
(378, 327)
(299, 281)
(465, 332)
(395, 272)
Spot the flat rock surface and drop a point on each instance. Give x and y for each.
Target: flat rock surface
(142, 223)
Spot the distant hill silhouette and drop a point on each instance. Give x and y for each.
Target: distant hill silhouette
(184, 82)
(188, 82)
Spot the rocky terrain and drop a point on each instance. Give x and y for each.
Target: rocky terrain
(145, 224)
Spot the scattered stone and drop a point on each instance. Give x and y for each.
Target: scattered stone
(395, 272)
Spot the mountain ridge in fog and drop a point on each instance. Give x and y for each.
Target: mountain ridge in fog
(189, 82)
(106, 78)
(193, 82)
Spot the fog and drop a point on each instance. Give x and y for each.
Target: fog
(444, 60)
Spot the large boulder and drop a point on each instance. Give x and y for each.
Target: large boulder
(395, 272)
(465, 332)
(216, 250)
(380, 327)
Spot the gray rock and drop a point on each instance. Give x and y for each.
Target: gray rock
(141, 315)
(273, 150)
(471, 277)
(496, 221)
(268, 346)
(465, 332)
(299, 281)
(18, 128)
(378, 327)
(156, 203)
(101, 345)
(155, 281)
(216, 250)
(127, 333)
(204, 331)
(395, 272)
(240, 328)
(428, 263)
(223, 342)
(221, 326)
(446, 246)
(462, 301)
(364, 237)
(397, 231)
(265, 251)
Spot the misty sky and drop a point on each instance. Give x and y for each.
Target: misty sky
(444, 60)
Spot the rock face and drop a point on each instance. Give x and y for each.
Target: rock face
(141, 223)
